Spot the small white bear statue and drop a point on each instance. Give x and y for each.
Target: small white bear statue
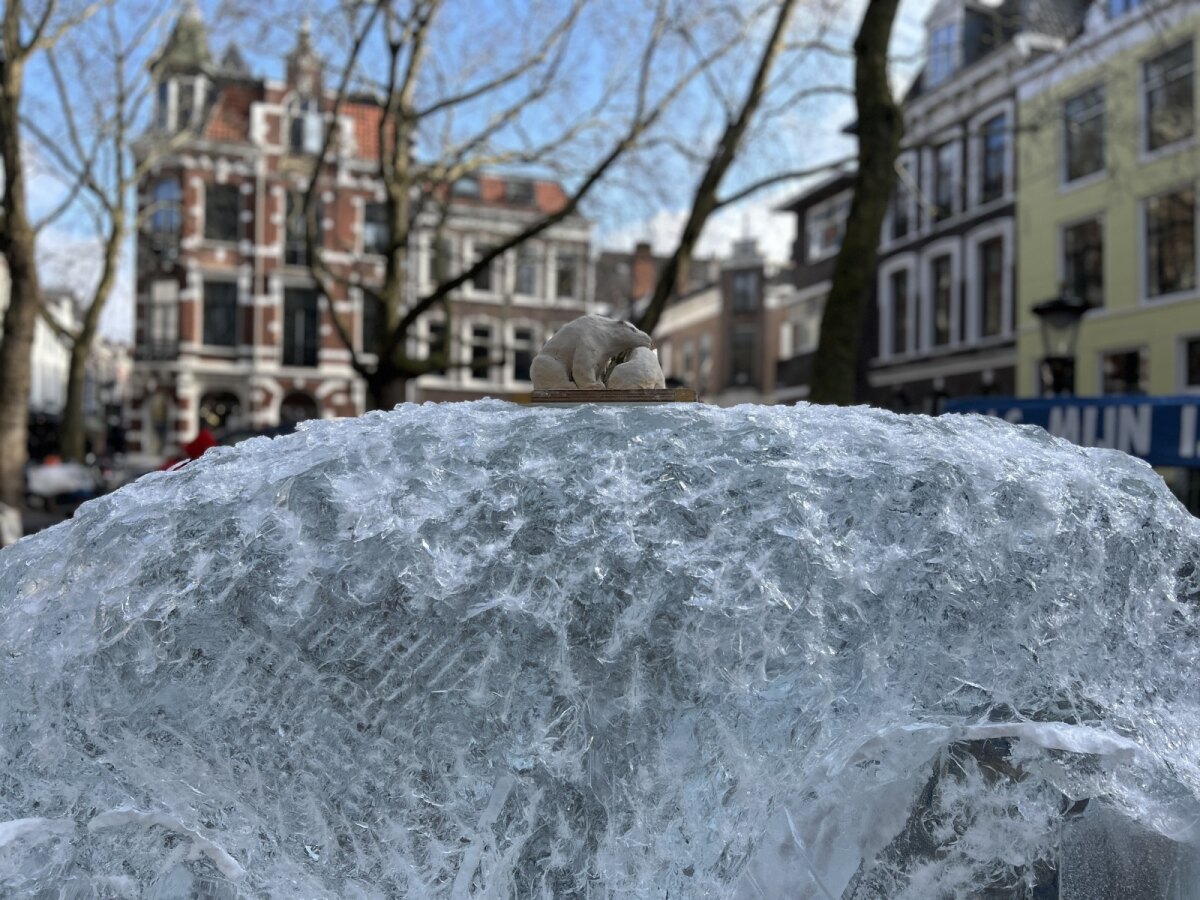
(579, 353)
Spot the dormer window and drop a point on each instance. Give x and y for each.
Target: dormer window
(519, 192)
(943, 53)
(305, 131)
(162, 106)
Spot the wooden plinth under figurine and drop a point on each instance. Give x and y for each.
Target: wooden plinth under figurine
(652, 395)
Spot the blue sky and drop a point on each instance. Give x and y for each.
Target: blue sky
(646, 202)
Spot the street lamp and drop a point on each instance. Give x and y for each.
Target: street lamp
(1060, 317)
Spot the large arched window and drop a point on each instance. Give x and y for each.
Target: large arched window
(297, 407)
(220, 410)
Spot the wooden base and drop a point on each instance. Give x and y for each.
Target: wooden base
(669, 395)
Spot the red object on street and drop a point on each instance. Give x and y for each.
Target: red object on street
(193, 449)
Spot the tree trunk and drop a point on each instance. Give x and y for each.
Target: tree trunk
(386, 392)
(17, 245)
(72, 434)
(880, 125)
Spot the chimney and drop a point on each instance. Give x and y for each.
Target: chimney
(645, 272)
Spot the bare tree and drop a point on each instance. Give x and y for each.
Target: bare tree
(440, 125)
(106, 81)
(705, 200)
(24, 34)
(880, 127)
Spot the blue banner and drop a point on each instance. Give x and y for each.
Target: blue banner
(1161, 430)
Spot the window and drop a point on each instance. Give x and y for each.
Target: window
(220, 313)
(162, 106)
(1083, 261)
(1191, 363)
(466, 187)
(519, 192)
(300, 327)
(898, 282)
(826, 225)
(943, 53)
(522, 353)
(305, 131)
(1171, 243)
(991, 287)
(527, 271)
(1170, 97)
(995, 146)
(741, 353)
(943, 297)
(221, 202)
(167, 218)
(688, 362)
(566, 272)
(705, 361)
(376, 233)
(186, 102)
(901, 200)
(440, 257)
(435, 348)
(944, 187)
(162, 321)
(1123, 372)
(1083, 131)
(483, 278)
(745, 291)
(1120, 7)
(481, 352)
(295, 248)
(372, 321)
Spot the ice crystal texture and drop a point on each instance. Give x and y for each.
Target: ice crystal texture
(485, 651)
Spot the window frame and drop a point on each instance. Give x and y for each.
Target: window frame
(1144, 89)
(828, 206)
(977, 152)
(315, 344)
(235, 329)
(1065, 178)
(576, 258)
(734, 333)
(951, 247)
(738, 302)
(1143, 368)
(1063, 274)
(211, 190)
(907, 160)
(368, 227)
(972, 304)
(172, 209)
(1181, 364)
(906, 263)
(1146, 298)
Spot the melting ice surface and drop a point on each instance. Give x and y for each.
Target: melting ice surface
(486, 651)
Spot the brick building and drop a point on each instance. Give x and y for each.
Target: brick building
(230, 327)
(724, 338)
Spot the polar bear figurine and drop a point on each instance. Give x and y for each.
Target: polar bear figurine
(641, 372)
(579, 352)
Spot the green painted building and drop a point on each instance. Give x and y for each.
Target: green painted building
(1108, 168)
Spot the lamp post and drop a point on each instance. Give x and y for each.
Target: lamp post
(1060, 318)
